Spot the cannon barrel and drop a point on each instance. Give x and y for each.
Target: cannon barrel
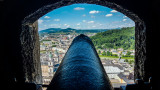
(81, 68)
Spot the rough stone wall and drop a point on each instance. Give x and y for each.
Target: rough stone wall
(140, 50)
(31, 53)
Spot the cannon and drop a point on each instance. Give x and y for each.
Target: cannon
(81, 68)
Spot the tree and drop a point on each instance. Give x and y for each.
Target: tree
(126, 60)
(104, 53)
(128, 53)
(115, 38)
(131, 61)
(108, 53)
(99, 52)
(53, 45)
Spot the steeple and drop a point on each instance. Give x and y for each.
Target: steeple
(50, 56)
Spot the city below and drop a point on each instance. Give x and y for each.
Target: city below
(54, 46)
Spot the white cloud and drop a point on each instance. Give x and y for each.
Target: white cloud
(90, 22)
(124, 19)
(57, 20)
(93, 26)
(83, 20)
(68, 26)
(40, 21)
(100, 24)
(78, 24)
(124, 16)
(79, 8)
(65, 24)
(113, 11)
(108, 15)
(94, 11)
(47, 17)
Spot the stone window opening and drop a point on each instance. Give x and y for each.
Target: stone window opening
(30, 34)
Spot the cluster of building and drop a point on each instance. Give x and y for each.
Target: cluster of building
(118, 52)
(119, 72)
(54, 46)
(52, 51)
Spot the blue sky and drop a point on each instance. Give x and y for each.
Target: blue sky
(84, 16)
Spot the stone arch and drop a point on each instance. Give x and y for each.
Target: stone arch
(30, 42)
(47, 8)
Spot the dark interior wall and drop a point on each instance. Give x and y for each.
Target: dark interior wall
(11, 47)
(14, 12)
(153, 43)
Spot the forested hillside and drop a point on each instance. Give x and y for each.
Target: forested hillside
(116, 38)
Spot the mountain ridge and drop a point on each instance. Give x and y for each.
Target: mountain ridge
(56, 30)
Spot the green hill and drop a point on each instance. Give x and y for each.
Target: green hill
(115, 38)
(70, 30)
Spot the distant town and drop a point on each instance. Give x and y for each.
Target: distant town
(53, 47)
